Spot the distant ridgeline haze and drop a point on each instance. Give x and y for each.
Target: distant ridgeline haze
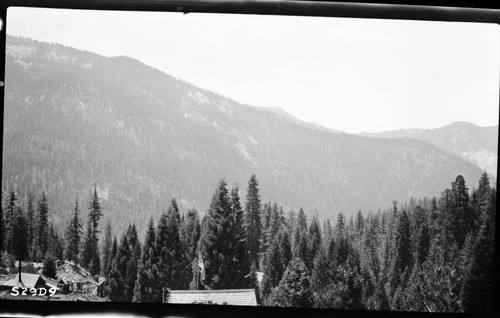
(74, 118)
(478, 145)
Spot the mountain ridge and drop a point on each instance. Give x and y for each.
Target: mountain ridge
(476, 144)
(72, 119)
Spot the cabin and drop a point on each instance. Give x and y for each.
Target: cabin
(58, 284)
(27, 280)
(235, 297)
(51, 283)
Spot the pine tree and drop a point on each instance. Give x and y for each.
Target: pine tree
(106, 249)
(253, 219)
(49, 266)
(420, 238)
(462, 220)
(273, 269)
(95, 215)
(216, 243)
(20, 236)
(190, 233)
(327, 232)
(43, 229)
(118, 289)
(173, 265)
(478, 202)
(133, 240)
(240, 269)
(413, 298)
(55, 245)
(285, 246)
(302, 220)
(314, 242)
(302, 251)
(478, 288)
(342, 248)
(130, 276)
(437, 281)
(402, 249)
(340, 224)
(147, 289)
(30, 219)
(354, 283)
(321, 276)
(276, 220)
(86, 252)
(295, 238)
(359, 223)
(73, 235)
(294, 288)
(9, 222)
(112, 256)
(370, 243)
(434, 218)
(263, 240)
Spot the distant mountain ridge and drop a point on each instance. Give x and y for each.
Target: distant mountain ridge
(73, 118)
(475, 144)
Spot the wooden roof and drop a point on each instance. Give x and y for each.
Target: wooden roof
(27, 280)
(238, 297)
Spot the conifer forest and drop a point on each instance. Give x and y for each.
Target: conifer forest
(130, 183)
(431, 254)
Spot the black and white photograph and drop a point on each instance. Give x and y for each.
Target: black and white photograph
(249, 160)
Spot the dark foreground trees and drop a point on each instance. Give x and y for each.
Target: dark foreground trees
(430, 255)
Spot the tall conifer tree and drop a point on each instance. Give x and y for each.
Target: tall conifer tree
(118, 288)
(314, 241)
(95, 215)
(31, 226)
(294, 288)
(106, 248)
(73, 235)
(402, 258)
(285, 246)
(190, 233)
(42, 237)
(9, 222)
(273, 269)
(478, 288)
(241, 261)
(147, 288)
(173, 265)
(216, 243)
(20, 236)
(253, 219)
(461, 220)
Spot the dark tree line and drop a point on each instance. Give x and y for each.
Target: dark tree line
(430, 254)
(29, 235)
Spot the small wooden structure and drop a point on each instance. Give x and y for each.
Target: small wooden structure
(238, 297)
(27, 281)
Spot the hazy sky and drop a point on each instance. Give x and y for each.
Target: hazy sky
(349, 74)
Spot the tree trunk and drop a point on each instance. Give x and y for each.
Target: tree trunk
(20, 281)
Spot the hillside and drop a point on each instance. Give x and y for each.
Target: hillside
(73, 118)
(478, 145)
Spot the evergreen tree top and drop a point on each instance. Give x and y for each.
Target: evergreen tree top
(340, 225)
(173, 210)
(42, 204)
(253, 204)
